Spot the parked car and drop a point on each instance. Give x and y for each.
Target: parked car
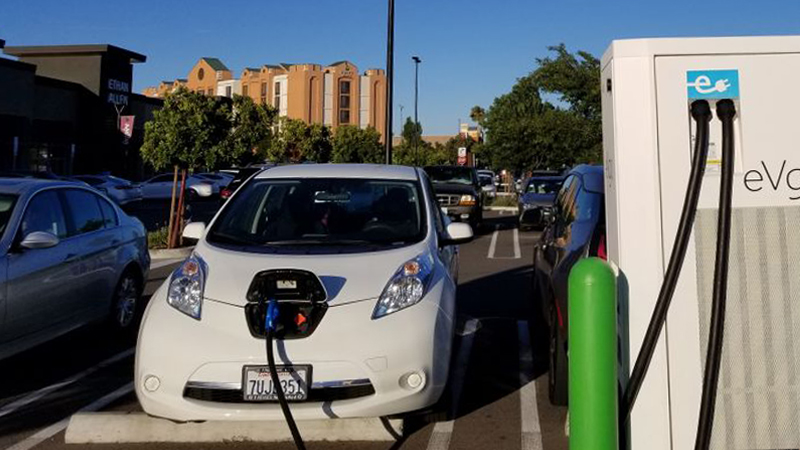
(488, 188)
(68, 257)
(576, 230)
(118, 189)
(241, 176)
(160, 187)
(489, 173)
(458, 192)
(220, 179)
(536, 200)
(364, 269)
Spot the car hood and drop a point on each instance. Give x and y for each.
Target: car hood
(447, 188)
(347, 278)
(538, 199)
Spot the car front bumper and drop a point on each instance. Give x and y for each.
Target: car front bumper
(462, 213)
(367, 359)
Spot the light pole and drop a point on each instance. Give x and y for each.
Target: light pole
(389, 82)
(417, 60)
(401, 117)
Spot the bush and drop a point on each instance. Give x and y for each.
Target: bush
(502, 200)
(158, 239)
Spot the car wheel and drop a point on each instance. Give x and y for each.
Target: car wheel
(557, 377)
(125, 306)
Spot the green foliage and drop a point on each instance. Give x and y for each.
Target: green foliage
(502, 200)
(251, 129)
(295, 142)
(158, 238)
(190, 130)
(352, 144)
(525, 132)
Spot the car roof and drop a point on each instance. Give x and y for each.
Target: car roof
(547, 178)
(368, 171)
(22, 186)
(592, 177)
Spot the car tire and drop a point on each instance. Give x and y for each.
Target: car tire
(126, 302)
(558, 375)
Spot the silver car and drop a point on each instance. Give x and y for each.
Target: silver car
(68, 257)
(117, 189)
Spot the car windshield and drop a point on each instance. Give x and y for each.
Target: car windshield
(455, 175)
(543, 186)
(321, 212)
(485, 180)
(7, 202)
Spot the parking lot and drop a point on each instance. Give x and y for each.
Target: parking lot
(497, 394)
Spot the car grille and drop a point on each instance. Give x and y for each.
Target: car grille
(448, 199)
(320, 394)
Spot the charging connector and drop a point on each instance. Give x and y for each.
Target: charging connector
(270, 328)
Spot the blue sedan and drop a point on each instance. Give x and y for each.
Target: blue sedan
(68, 257)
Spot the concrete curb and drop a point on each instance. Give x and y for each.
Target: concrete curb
(173, 253)
(119, 428)
(501, 208)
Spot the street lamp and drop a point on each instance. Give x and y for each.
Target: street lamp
(389, 82)
(417, 60)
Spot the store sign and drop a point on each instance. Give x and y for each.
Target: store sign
(117, 92)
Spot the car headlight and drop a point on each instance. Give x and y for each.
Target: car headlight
(406, 288)
(186, 287)
(467, 200)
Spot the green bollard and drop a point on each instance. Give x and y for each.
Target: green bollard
(593, 356)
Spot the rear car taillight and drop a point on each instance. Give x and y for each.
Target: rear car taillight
(601, 247)
(225, 193)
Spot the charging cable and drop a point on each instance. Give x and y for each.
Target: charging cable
(270, 327)
(701, 113)
(726, 111)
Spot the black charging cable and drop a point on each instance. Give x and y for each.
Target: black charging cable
(701, 113)
(726, 111)
(270, 326)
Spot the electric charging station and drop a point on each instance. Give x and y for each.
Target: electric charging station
(648, 132)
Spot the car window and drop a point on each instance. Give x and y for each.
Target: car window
(539, 186)
(109, 213)
(563, 193)
(569, 205)
(451, 174)
(83, 211)
(44, 213)
(320, 212)
(7, 202)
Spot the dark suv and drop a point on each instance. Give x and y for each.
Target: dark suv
(458, 192)
(576, 230)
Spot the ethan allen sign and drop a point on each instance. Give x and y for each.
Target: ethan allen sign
(117, 92)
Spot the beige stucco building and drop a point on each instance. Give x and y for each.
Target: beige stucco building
(333, 95)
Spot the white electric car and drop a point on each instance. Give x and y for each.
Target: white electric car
(363, 265)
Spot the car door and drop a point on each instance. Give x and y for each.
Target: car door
(158, 187)
(98, 245)
(42, 283)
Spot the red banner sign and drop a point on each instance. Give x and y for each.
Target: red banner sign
(126, 125)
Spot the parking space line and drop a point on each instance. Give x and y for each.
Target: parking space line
(38, 394)
(443, 431)
(164, 263)
(529, 410)
(493, 245)
(46, 433)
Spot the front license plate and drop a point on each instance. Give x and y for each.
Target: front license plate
(257, 383)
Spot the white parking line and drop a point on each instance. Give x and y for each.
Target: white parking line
(52, 430)
(443, 431)
(529, 410)
(36, 395)
(493, 245)
(163, 263)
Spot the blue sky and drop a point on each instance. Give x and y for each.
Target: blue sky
(472, 50)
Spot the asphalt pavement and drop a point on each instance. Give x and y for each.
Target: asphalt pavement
(497, 395)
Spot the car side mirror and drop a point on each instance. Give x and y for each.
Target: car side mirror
(457, 233)
(39, 240)
(194, 231)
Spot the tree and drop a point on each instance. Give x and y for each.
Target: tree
(524, 131)
(251, 133)
(352, 144)
(189, 131)
(477, 114)
(297, 142)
